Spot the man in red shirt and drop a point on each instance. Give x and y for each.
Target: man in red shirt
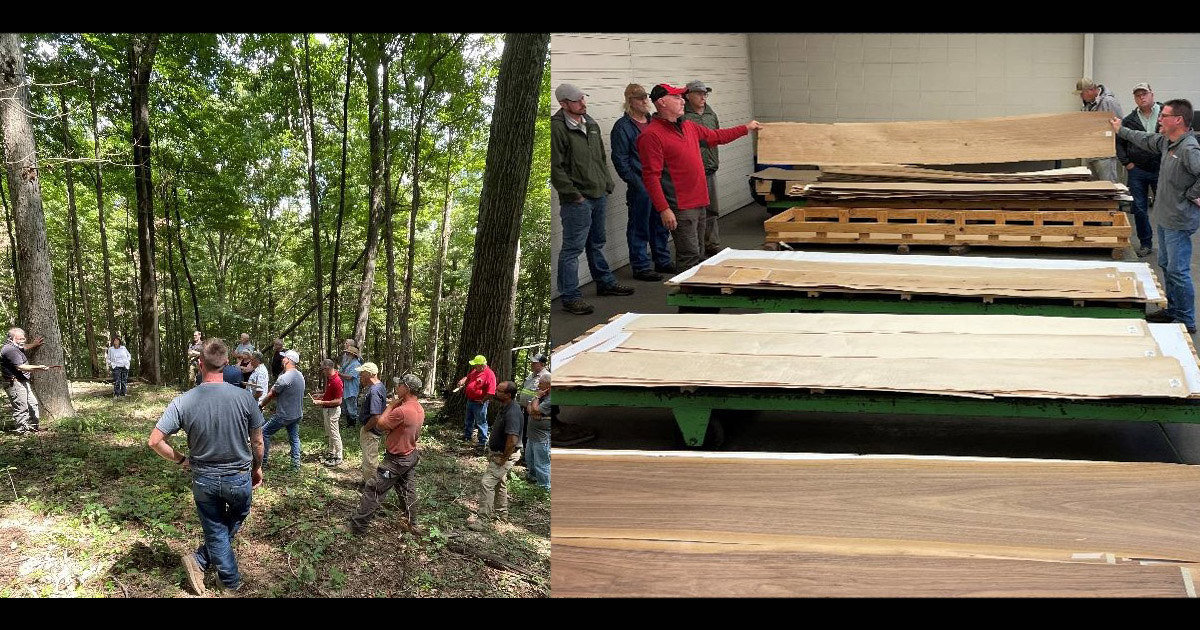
(481, 384)
(673, 170)
(330, 403)
(403, 420)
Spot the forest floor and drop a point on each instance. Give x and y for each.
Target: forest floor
(88, 510)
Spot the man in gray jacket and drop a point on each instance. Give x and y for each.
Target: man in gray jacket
(1176, 210)
(697, 110)
(1097, 98)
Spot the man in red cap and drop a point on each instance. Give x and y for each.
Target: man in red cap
(673, 170)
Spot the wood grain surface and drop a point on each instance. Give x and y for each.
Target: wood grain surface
(1034, 137)
(762, 525)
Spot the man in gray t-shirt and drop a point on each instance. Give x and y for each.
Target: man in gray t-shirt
(224, 436)
(289, 390)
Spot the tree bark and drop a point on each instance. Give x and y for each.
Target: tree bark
(487, 321)
(337, 240)
(374, 58)
(141, 62)
(187, 272)
(36, 310)
(431, 344)
(108, 288)
(174, 342)
(390, 364)
(73, 219)
(12, 241)
(310, 145)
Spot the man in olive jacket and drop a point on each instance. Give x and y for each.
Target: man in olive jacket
(697, 110)
(580, 175)
(1176, 209)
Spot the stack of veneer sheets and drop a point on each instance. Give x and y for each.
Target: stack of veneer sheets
(1009, 278)
(942, 355)
(905, 173)
(628, 523)
(917, 192)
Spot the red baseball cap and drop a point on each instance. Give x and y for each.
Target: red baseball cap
(662, 89)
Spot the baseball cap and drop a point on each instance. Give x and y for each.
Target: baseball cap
(1084, 84)
(369, 366)
(291, 355)
(568, 92)
(634, 90)
(698, 86)
(537, 358)
(478, 360)
(1143, 86)
(662, 89)
(411, 381)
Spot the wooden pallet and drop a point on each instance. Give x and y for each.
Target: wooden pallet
(958, 204)
(1005, 228)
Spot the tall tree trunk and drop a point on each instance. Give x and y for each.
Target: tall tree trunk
(141, 62)
(431, 344)
(71, 350)
(187, 272)
(390, 360)
(374, 58)
(73, 219)
(12, 241)
(310, 145)
(487, 321)
(337, 240)
(174, 342)
(36, 310)
(108, 290)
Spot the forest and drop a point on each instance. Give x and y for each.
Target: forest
(385, 188)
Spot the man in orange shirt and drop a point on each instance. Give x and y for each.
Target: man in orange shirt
(403, 420)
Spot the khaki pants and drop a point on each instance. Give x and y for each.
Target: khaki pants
(333, 433)
(493, 501)
(370, 453)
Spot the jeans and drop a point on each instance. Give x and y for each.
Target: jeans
(394, 470)
(582, 225)
(25, 407)
(645, 229)
(350, 409)
(537, 459)
(1140, 184)
(293, 428)
(120, 380)
(1175, 259)
(222, 502)
(689, 238)
(476, 417)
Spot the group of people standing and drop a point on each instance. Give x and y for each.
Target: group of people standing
(1160, 155)
(668, 161)
(229, 439)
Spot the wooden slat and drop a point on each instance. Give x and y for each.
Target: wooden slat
(746, 524)
(1036, 137)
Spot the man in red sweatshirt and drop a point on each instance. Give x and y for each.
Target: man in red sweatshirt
(673, 170)
(480, 383)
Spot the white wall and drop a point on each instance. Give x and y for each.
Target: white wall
(828, 77)
(603, 64)
(1170, 63)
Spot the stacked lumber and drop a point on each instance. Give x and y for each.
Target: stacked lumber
(755, 524)
(1100, 283)
(904, 173)
(953, 227)
(1037, 137)
(919, 192)
(1010, 356)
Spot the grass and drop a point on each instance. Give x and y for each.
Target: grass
(88, 510)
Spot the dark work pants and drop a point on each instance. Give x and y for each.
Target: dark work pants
(394, 470)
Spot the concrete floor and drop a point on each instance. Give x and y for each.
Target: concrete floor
(654, 429)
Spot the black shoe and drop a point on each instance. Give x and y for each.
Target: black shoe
(647, 276)
(1191, 330)
(665, 268)
(577, 307)
(712, 251)
(614, 289)
(1160, 317)
(1143, 252)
